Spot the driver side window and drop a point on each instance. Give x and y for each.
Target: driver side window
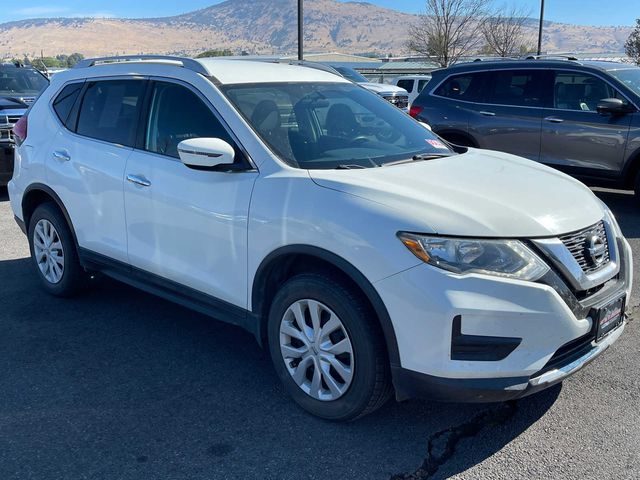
(176, 114)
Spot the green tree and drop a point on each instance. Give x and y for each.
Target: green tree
(632, 45)
(216, 53)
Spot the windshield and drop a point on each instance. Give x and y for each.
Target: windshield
(351, 74)
(331, 125)
(630, 77)
(18, 82)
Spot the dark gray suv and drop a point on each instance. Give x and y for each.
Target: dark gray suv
(580, 117)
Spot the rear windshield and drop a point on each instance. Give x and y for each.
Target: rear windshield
(331, 125)
(18, 82)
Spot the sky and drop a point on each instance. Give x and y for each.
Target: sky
(583, 12)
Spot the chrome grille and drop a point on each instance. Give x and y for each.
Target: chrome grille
(578, 244)
(400, 101)
(7, 123)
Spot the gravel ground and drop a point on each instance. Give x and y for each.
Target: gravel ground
(118, 384)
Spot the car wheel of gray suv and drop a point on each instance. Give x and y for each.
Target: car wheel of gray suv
(53, 252)
(327, 348)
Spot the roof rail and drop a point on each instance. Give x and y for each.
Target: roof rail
(188, 63)
(552, 57)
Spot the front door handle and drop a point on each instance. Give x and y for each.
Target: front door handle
(487, 114)
(138, 180)
(61, 155)
(554, 120)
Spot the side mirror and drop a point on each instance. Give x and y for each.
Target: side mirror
(612, 106)
(205, 152)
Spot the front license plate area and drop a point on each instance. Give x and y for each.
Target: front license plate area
(609, 317)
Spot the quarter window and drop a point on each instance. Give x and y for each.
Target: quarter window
(580, 91)
(462, 87)
(178, 114)
(516, 87)
(110, 109)
(422, 84)
(406, 84)
(64, 102)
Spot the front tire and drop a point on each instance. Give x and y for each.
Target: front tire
(327, 348)
(53, 252)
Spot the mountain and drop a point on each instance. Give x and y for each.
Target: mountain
(260, 27)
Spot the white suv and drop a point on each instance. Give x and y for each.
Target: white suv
(366, 253)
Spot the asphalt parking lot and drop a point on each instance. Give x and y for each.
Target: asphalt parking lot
(118, 384)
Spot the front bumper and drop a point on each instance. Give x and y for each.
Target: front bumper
(547, 334)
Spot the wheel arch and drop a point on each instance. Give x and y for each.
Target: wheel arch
(283, 263)
(450, 134)
(36, 194)
(632, 169)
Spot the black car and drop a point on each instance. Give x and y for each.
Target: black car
(19, 87)
(581, 117)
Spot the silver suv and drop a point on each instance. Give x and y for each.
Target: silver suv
(579, 117)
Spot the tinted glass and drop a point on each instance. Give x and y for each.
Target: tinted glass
(65, 100)
(406, 84)
(422, 84)
(462, 87)
(580, 91)
(516, 87)
(109, 111)
(331, 125)
(178, 114)
(630, 77)
(16, 81)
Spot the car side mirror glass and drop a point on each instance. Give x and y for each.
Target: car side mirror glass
(613, 106)
(205, 152)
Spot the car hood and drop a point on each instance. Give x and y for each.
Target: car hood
(383, 88)
(479, 193)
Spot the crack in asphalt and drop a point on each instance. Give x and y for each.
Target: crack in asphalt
(441, 446)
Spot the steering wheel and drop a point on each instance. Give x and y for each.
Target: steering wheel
(388, 136)
(359, 139)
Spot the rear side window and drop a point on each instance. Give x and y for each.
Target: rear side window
(462, 87)
(406, 84)
(178, 114)
(422, 84)
(64, 102)
(110, 109)
(516, 87)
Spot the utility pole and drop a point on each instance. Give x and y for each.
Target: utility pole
(540, 27)
(300, 30)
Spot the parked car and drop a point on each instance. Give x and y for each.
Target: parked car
(391, 93)
(413, 84)
(580, 117)
(19, 85)
(367, 255)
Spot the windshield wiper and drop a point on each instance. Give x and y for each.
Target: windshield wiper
(349, 167)
(420, 156)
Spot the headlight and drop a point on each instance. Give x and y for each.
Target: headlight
(502, 258)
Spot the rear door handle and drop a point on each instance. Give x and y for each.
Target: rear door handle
(487, 114)
(554, 120)
(138, 180)
(61, 155)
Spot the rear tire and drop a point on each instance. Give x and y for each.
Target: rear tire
(344, 324)
(636, 186)
(53, 252)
